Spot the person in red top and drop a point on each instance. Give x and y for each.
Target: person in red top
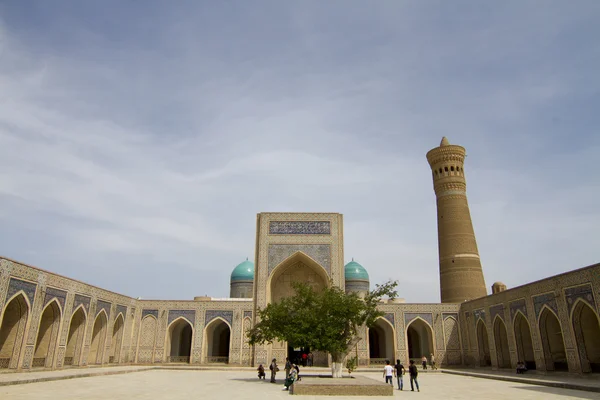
(304, 357)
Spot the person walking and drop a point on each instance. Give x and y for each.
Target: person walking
(399, 372)
(432, 360)
(388, 373)
(424, 362)
(273, 367)
(414, 372)
(310, 359)
(288, 367)
(304, 357)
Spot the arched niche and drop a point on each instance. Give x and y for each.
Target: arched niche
(381, 342)
(12, 330)
(552, 341)
(297, 268)
(147, 339)
(483, 344)
(218, 341)
(419, 337)
(179, 343)
(98, 343)
(48, 333)
(501, 342)
(587, 334)
(117, 338)
(524, 342)
(75, 337)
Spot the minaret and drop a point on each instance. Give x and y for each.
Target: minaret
(461, 276)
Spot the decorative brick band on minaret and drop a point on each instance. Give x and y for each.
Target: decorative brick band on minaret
(461, 276)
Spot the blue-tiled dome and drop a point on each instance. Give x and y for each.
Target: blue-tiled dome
(243, 272)
(353, 271)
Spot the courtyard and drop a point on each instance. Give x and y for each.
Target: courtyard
(194, 384)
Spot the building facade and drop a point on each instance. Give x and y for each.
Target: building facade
(50, 321)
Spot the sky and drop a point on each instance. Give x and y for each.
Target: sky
(138, 140)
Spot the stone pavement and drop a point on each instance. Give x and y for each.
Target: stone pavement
(243, 384)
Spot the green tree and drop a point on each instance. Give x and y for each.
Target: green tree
(326, 320)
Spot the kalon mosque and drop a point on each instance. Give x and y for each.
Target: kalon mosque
(51, 322)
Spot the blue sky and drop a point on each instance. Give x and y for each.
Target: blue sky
(139, 139)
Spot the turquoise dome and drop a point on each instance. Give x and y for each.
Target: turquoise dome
(243, 272)
(353, 271)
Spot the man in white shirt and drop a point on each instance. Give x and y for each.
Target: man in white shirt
(388, 372)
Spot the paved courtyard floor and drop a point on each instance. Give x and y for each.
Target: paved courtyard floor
(190, 384)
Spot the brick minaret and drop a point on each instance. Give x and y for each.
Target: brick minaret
(461, 276)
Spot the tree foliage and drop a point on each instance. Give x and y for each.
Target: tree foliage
(325, 320)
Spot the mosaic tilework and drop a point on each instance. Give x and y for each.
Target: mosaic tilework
(190, 315)
(122, 310)
(321, 253)
(453, 315)
(16, 284)
(547, 299)
(79, 300)
(300, 228)
(478, 314)
(103, 305)
(517, 305)
(389, 317)
(408, 317)
(580, 292)
(212, 314)
(248, 314)
(60, 295)
(150, 312)
(497, 310)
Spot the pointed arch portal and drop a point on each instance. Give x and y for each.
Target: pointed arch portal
(218, 335)
(180, 341)
(483, 344)
(12, 331)
(381, 342)
(501, 342)
(47, 338)
(98, 339)
(115, 344)
(75, 337)
(524, 343)
(587, 335)
(552, 342)
(420, 340)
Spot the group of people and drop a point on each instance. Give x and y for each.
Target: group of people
(431, 360)
(292, 372)
(398, 371)
(521, 368)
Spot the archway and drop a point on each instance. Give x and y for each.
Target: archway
(218, 335)
(552, 342)
(483, 344)
(587, 335)
(98, 339)
(47, 338)
(501, 342)
(180, 341)
(524, 343)
(419, 336)
(75, 337)
(12, 331)
(297, 268)
(115, 344)
(381, 342)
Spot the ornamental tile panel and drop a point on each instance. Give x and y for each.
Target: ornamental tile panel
(408, 317)
(321, 253)
(580, 292)
(478, 314)
(447, 315)
(389, 317)
(497, 310)
(103, 305)
(190, 315)
(122, 310)
(60, 295)
(212, 314)
(248, 314)
(150, 312)
(15, 285)
(79, 300)
(548, 299)
(300, 228)
(517, 305)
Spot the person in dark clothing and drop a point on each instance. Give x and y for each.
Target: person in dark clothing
(288, 367)
(261, 372)
(414, 372)
(399, 372)
(274, 368)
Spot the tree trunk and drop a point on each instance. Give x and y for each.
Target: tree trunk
(337, 364)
